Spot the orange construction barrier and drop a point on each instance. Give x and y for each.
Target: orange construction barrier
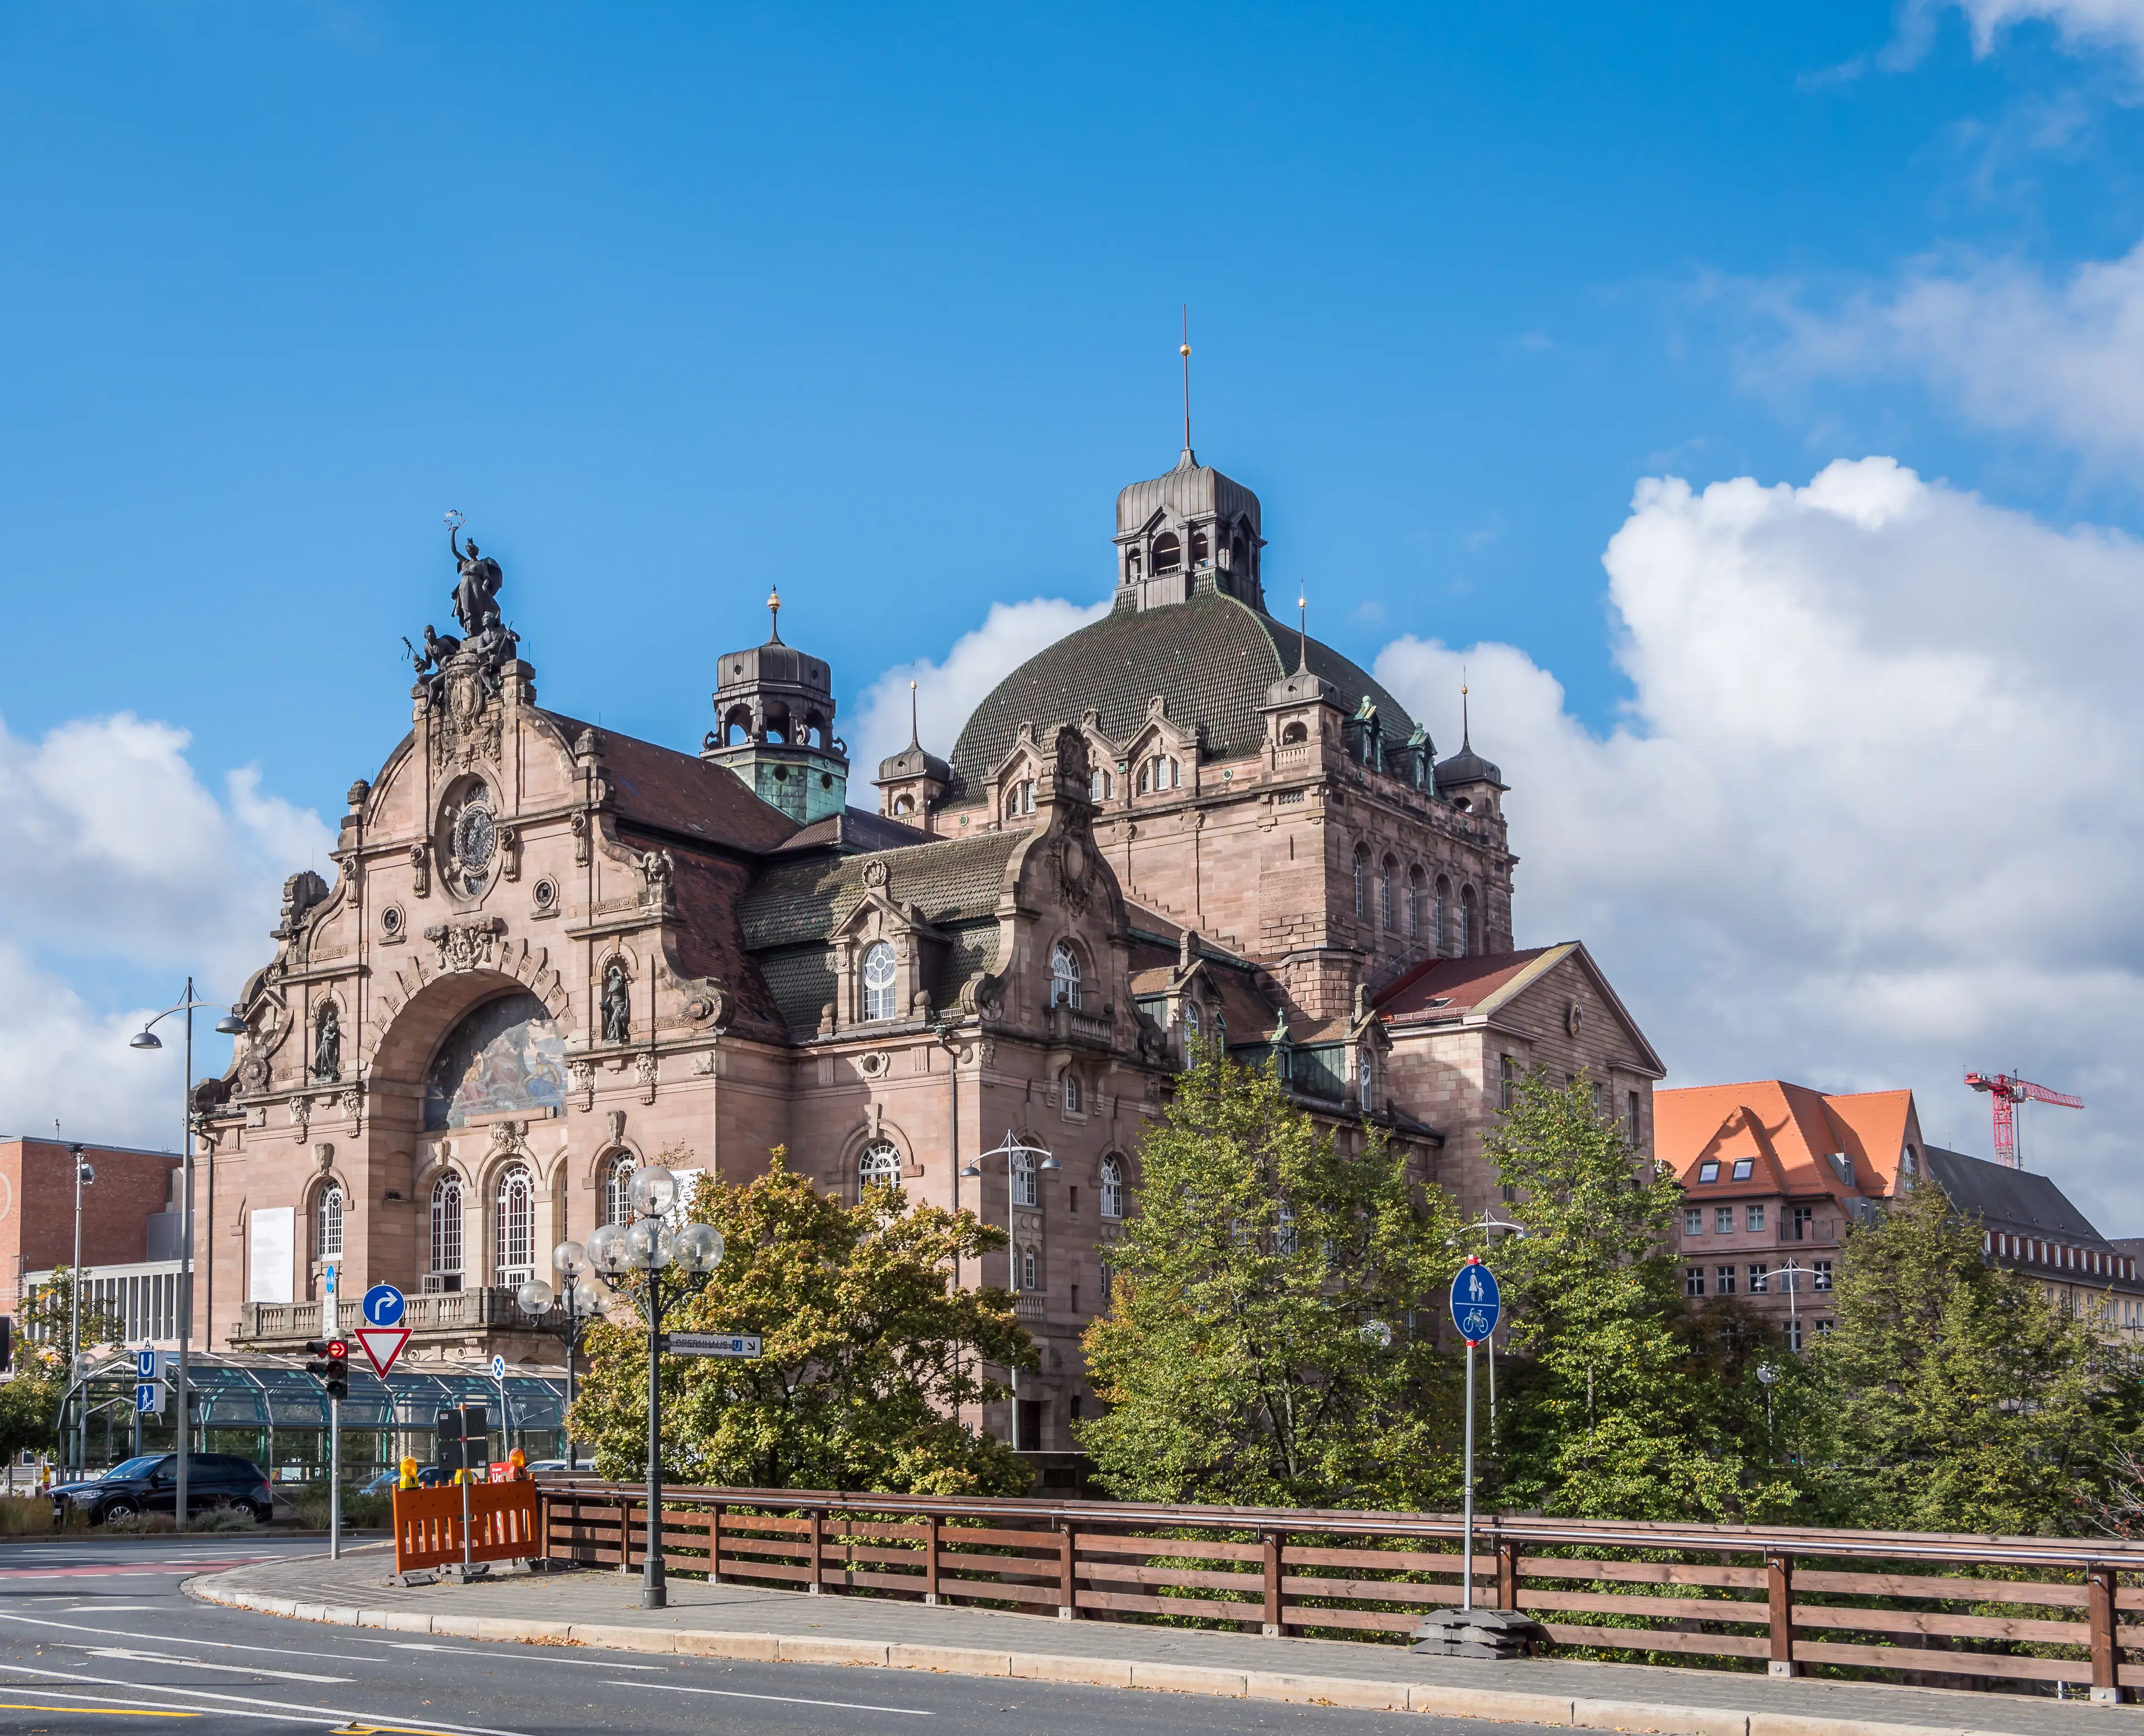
(502, 1524)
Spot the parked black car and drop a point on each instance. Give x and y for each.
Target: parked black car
(150, 1485)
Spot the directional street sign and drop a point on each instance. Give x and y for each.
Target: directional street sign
(384, 1306)
(1477, 1303)
(149, 1398)
(711, 1344)
(382, 1345)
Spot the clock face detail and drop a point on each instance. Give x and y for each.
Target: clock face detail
(474, 840)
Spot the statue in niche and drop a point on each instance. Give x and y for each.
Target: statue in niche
(327, 1048)
(617, 1005)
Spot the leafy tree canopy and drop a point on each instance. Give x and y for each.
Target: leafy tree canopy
(1269, 1338)
(869, 1352)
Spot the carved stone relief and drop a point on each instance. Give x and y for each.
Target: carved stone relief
(467, 945)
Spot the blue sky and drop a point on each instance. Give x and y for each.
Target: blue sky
(879, 304)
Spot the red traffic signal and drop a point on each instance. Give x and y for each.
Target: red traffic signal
(338, 1349)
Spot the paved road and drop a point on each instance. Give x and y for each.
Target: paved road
(98, 1636)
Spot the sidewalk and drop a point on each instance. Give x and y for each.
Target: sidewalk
(595, 1608)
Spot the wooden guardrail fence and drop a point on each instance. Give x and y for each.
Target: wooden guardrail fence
(1993, 1610)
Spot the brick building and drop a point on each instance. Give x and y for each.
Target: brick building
(552, 952)
(130, 1233)
(1774, 1174)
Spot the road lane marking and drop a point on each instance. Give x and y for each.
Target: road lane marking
(124, 1655)
(221, 1645)
(309, 1714)
(779, 1700)
(466, 1651)
(96, 1711)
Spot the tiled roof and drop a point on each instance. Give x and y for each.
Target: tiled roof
(2012, 1200)
(1796, 1128)
(949, 881)
(853, 828)
(1450, 987)
(662, 790)
(1212, 657)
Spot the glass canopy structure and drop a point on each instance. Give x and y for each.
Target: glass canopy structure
(268, 1409)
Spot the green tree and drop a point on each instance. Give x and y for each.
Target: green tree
(1625, 1404)
(1956, 1395)
(30, 1401)
(1270, 1339)
(869, 1351)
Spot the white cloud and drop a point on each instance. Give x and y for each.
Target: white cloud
(947, 692)
(124, 874)
(2014, 348)
(2118, 23)
(1872, 815)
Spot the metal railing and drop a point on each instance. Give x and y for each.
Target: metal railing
(1974, 1611)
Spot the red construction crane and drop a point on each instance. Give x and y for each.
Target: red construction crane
(2007, 1094)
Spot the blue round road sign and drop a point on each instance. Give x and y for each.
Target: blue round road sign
(384, 1306)
(1477, 1303)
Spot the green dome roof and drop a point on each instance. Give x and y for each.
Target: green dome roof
(1213, 658)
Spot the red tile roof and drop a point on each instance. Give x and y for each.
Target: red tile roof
(1792, 1129)
(1445, 988)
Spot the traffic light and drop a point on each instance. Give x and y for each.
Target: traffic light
(330, 1365)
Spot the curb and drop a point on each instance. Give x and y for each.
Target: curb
(1501, 1705)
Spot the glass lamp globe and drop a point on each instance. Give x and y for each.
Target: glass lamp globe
(607, 1250)
(569, 1259)
(649, 1247)
(699, 1248)
(589, 1296)
(1376, 1332)
(535, 1297)
(653, 1191)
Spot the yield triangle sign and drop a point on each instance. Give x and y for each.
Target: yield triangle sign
(383, 1344)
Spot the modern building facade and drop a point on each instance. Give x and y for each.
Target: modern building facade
(129, 1229)
(552, 953)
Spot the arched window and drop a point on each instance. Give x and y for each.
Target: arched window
(1364, 1078)
(1025, 1190)
(1236, 561)
(1100, 785)
(1072, 1093)
(1020, 799)
(1064, 977)
(617, 1185)
(1168, 552)
(1443, 913)
(903, 804)
(1361, 884)
(1470, 935)
(447, 1225)
(1027, 1268)
(515, 1206)
(1133, 565)
(1113, 1188)
(878, 980)
(880, 1165)
(1200, 552)
(1414, 903)
(1292, 733)
(1388, 872)
(327, 1223)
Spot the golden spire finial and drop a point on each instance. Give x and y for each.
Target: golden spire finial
(1185, 352)
(1465, 727)
(774, 611)
(915, 735)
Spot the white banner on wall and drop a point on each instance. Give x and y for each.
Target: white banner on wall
(272, 1271)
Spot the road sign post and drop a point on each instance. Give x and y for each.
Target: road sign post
(745, 1345)
(1477, 1304)
(383, 1337)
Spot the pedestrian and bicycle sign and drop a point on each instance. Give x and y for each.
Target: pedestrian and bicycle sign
(149, 1370)
(383, 1337)
(1477, 1303)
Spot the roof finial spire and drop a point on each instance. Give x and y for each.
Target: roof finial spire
(915, 738)
(1302, 630)
(774, 612)
(1466, 729)
(1185, 352)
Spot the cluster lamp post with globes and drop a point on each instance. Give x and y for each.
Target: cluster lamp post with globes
(671, 1265)
(582, 1300)
(231, 1024)
(1012, 1150)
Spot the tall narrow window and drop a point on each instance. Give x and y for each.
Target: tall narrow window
(1414, 904)
(1199, 554)
(878, 980)
(1027, 1269)
(516, 1207)
(617, 1179)
(1364, 1078)
(327, 1239)
(1508, 1083)
(1470, 935)
(1285, 1241)
(1443, 914)
(1064, 977)
(1113, 1190)
(1361, 884)
(447, 1224)
(880, 1165)
(1387, 871)
(1024, 1189)
(1168, 552)
(1072, 1102)
(1101, 785)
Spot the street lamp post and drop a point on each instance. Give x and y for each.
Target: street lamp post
(646, 1248)
(1012, 1151)
(581, 1299)
(83, 1176)
(231, 1024)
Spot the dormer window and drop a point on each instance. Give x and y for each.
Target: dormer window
(1707, 1171)
(1201, 551)
(1101, 785)
(1745, 1168)
(878, 980)
(1064, 977)
(1020, 799)
(1162, 773)
(1168, 554)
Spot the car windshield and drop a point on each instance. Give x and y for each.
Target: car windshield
(137, 1467)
